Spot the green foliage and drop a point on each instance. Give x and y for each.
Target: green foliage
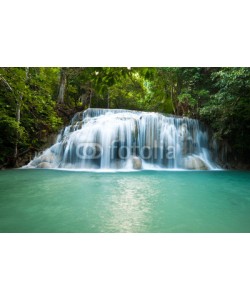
(31, 89)
(228, 111)
(128, 93)
(218, 96)
(9, 128)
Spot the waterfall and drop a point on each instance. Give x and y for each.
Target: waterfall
(125, 140)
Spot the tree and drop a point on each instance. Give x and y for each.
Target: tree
(228, 110)
(27, 112)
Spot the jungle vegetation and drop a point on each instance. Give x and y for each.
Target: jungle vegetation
(37, 102)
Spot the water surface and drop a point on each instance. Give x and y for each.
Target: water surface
(36, 200)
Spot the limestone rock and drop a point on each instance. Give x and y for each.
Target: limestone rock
(47, 158)
(195, 163)
(44, 165)
(35, 162)
(137, 164)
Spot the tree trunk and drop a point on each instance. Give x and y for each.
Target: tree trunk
(90, 97)
(172, 98)
(108, 99)
(62, 88)
(18, 116)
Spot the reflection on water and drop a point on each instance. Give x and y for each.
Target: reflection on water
(58, 201)
(131, 204)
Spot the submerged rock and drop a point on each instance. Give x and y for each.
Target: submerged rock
(137, 164)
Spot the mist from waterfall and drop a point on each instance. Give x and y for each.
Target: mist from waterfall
(116, 139)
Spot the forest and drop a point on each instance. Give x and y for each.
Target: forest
(36, 102)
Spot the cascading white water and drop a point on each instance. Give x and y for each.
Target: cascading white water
(123, 139)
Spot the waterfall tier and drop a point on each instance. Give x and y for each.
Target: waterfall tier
(123, 139)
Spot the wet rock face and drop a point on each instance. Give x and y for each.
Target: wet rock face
(44, 165)
(195, 163)
(35, 162)
(47, 158)
(137, 164)
(44, 161)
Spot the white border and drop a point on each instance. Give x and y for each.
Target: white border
(124, 33)
(124, 266)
